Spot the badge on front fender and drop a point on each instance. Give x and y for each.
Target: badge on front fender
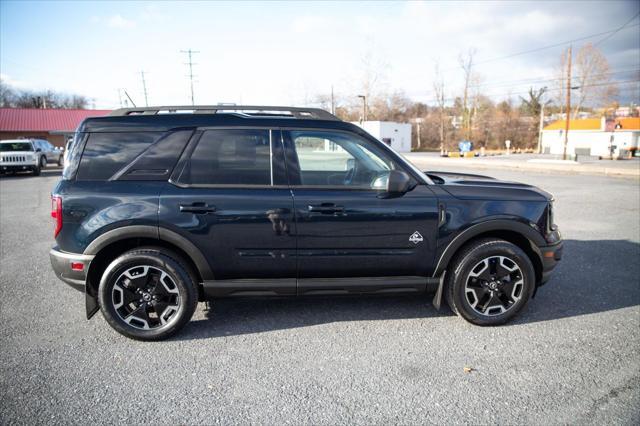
(416, 238)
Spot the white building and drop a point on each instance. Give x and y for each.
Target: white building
(396, 135)
(593, 136)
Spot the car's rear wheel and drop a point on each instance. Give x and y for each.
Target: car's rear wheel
(491, 280)
(147, 294)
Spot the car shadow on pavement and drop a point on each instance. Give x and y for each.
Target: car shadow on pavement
(49, 171)
(593, 277)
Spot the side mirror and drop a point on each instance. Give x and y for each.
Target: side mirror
(38, 150)
(398, 182)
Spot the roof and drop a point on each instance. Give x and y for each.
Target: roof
(627, 123)
(166, 122)
(45, 120)
(584, 124)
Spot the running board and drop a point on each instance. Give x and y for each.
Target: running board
(319, 286)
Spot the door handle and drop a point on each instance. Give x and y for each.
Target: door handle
(326, 208)
(197, 208)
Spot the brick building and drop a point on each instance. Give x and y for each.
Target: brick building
(54, 125)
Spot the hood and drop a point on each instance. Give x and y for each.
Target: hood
(16, 152)
(478, 187)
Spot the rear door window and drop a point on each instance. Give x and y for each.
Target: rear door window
(230, 157)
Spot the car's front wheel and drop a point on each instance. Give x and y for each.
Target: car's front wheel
(147, 294)
(490, 281)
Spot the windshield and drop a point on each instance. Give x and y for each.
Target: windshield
(15, 146)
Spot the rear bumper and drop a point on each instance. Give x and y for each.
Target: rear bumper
(61, 263)
(551, 255)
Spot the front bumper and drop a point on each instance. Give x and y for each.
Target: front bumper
(62, 266)
(551, 255)
(16, 167)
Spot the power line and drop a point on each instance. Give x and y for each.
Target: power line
(538, 49)
(191, 64)
(524, 82)
(616, 31)
(495, 95)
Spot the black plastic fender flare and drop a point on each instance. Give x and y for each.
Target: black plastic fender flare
(156, 233)
(529, 232)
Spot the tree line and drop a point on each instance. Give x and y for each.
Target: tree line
(466, 113)
(11, 97)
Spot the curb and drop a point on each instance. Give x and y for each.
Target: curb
(578, 169)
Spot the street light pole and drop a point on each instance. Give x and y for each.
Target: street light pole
(364, 107)
(540, 129)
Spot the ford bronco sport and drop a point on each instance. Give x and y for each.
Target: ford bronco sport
(159, 208)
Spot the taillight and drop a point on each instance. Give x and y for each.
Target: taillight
(56, 214)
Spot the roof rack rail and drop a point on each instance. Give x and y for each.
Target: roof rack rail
(247, 110)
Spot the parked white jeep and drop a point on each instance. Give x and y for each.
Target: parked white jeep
(18, 155)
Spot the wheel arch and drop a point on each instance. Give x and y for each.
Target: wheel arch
(111, 244)
(517, 233)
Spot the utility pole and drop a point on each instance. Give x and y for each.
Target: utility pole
(568, 109)
(191, 64)
(144, 89)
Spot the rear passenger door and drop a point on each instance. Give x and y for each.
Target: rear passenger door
(229, 196)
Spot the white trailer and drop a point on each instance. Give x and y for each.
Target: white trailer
(396, 135)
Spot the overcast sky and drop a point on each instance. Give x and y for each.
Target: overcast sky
(286, 53)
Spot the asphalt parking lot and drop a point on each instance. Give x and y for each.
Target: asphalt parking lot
(572, 356)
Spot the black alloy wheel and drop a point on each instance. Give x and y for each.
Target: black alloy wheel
(489, 281)
(148, 294)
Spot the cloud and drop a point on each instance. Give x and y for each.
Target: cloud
(7, 79)
(308, 24)
(118, 21)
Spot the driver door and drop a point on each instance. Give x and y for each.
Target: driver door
(345, 226)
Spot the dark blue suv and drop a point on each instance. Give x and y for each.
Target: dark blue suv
(159, 208)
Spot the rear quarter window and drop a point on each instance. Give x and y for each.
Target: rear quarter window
(106, 153)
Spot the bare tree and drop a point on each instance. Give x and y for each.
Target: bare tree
(560, 84)
(466, 63)
(372, 79)
(439, 89)
(593, 79)
(7, 95)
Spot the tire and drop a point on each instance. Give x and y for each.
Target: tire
(61, 160)
(43, 162)
(36, 170)
(147, 294)
(491, 280)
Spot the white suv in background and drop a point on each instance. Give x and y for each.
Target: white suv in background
(27, 155)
